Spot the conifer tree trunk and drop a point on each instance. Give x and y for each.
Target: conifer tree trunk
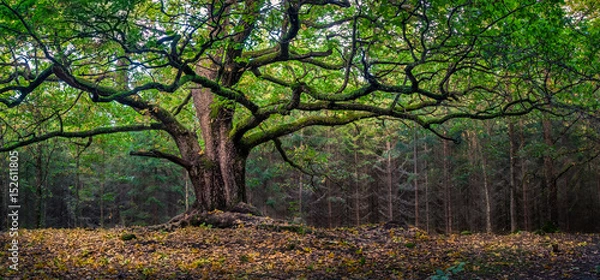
(486, 186)
(300, 187)
(416, 174)
(356, 186)
(3, 190)
(102, 204)
(513, 176)
(524, 182)
(487, 193)
(390, 181)
(550, 182)
(598, 185)
(329, 206)
(39, 182)
(328, 186)
(427, 212)
(187, 191)
(446, 185)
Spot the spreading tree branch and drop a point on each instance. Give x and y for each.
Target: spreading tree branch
(257, 138)
(158, 154)
(278, 146)
(24, 90)
(80, 134)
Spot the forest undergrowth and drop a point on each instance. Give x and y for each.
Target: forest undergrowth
(261, 249)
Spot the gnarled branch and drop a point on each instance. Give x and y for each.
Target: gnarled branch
(159, 154)
(81, 134)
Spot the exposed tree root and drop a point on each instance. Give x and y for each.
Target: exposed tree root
(239, 216)
(244, 215)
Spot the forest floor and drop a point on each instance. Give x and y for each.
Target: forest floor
(251, 251)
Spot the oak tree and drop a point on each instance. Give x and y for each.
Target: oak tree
(221, 77)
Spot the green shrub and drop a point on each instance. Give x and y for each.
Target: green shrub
(445, 274)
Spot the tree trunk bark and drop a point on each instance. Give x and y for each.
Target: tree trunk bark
(356, 187)
(39, 181)
(487, 192)
(3, 190)
(551, 186)
(216, 170)
(300, 186)
(427, 213)
(218, 181)
(390, 181)
(187, 190)
(328, 186)
(416, 174)
(102, 204)
(446, 184)
(77, 188)
(524, 181)
(598, 183)
(513, 176)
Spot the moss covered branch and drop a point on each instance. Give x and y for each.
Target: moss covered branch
(259, 137)
(80, 134)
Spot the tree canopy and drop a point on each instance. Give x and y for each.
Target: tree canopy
(221, 77)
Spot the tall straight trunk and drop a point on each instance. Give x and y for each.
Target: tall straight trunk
(598, 183)
(3, 190)
(598, 186)
(300, 191)
(474, 179)
(390, 181)
(513, 176)
(300, 185)
(77, 187)
(187, 190)
(102, 204)
(486, 188)
(329, 206)
(427, 213)
(39, 181)
(328, 186)
(524, 182)
(416, 174)
(549, 174)
(356, 187)
(446, 186)
(564, 203)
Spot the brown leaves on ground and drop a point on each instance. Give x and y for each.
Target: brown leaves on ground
(252, 252)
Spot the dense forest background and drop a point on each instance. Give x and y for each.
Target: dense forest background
(528, 173)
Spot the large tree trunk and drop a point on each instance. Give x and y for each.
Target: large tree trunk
(217, 168)
(216, 173)
(218, 177)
